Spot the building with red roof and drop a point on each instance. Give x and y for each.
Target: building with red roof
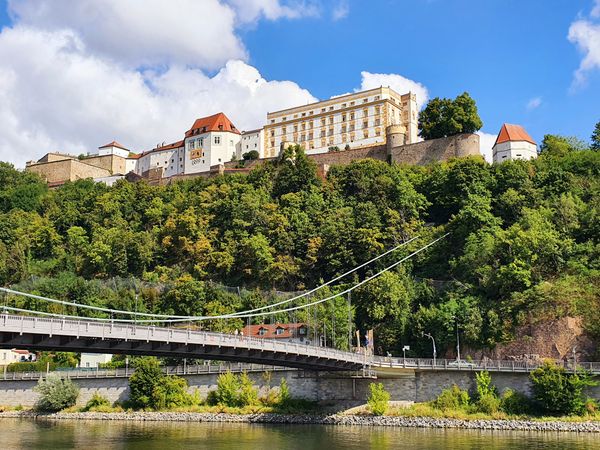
(210, 141)
(291, 332)
(513, 142)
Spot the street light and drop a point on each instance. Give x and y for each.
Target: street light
(404, 349)
(457, 339)
(433, 342)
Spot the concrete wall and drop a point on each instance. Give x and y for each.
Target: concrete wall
(326, 387)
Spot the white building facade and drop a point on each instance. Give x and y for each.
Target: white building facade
(168, 157)
(211, 141)
(113, 148)
(92, 360)
(513, 142)
(251, 140)
(354, 120)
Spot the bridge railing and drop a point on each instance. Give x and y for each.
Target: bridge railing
(478, 365)
(195, 369)
(115, 330)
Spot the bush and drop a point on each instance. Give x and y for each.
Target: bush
(146, 377)
(557, 392)
(514, 402)
(226, 394)
(484, 384)
(37, 366)
(452, 398)
(56, 393)
(248, 393)
(252, 154)
(378, 399)
(97, 401)
(171, 392)
(488, 404)
(284, 392)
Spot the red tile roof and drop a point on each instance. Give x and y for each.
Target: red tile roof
(510, 133)
(289, 330)
(114, 144)
(216, 122)
(170, 146)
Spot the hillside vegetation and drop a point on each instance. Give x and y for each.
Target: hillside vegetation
(524, 244)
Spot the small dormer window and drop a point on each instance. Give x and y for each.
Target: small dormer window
(221, 127)
(279, 331)
(262, 331)
(302, 330)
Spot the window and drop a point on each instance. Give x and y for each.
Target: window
(219, 159)
(351, 103)
(279, 331)
(272, 132)
(365, 100)
(365, 112)
(331, 108)
(262, 331)
(217, 140)
(295, 116)
(330, 119)
(284, 119)
(283, 130)
(352, 115)
(365, 134)
(343, 117)
(330, 132)
(295, 128)
(343, 105)
(272, 120)
(172, 160)
(366, 124)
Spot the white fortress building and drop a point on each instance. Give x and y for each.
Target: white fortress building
(513, 142)
(354, 120)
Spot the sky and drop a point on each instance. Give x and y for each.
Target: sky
(76, 74)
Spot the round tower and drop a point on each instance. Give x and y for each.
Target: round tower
(395, 137)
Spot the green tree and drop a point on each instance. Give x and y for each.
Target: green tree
(252, 154)
(378, 399)
(146, 378)
(295, 172)
(596, 137)
(445, 117)
(56, 393)
(558, 392)
(170, 393)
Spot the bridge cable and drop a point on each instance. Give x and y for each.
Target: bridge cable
(231, 316)
(167, 316)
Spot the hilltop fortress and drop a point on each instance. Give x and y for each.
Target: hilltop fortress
(377, 123)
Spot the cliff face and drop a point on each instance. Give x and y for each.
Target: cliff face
(554, 339)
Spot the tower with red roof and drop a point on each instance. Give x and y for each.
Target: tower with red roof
(513, 142)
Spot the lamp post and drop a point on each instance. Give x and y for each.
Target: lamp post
(433, 342)
(406, 347)
(457, 339)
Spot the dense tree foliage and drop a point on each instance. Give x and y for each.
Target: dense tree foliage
(443, 117)
(523, 245)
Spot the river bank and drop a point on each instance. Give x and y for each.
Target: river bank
(313, 419)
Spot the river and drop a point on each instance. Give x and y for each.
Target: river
(86, 435)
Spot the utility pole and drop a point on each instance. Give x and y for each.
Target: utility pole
(349, 323)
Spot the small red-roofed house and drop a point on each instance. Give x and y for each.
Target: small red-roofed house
(513, 142)
(289, 332)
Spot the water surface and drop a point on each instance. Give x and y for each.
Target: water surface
(43, 434)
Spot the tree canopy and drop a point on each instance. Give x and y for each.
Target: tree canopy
(444, 117)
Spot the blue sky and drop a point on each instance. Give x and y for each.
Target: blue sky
(99, 73)
(504, 52)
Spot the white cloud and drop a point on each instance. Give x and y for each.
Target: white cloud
(586, 36)
(397, 82)
(596, 9)
(249, 11)
(340, 10)
(142, 32)
(54, 96)
(486, 142)
(534, 103)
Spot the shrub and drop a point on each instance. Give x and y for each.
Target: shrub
(514, 402)
(248, 395)
(56, 393)
(484, 384)
(284, 392)
(557, 392)
(226, 394)
(97, 401)
(146, 377)
(452, 398)
(488, 404)
(171, 392)
(378, 399)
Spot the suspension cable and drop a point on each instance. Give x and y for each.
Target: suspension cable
(232, 316)
(167, 316)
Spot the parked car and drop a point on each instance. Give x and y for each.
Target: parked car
(461, 363)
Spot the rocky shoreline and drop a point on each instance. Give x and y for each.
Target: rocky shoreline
(334, 419)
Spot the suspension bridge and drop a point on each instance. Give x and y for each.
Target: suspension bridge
(135, 335)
